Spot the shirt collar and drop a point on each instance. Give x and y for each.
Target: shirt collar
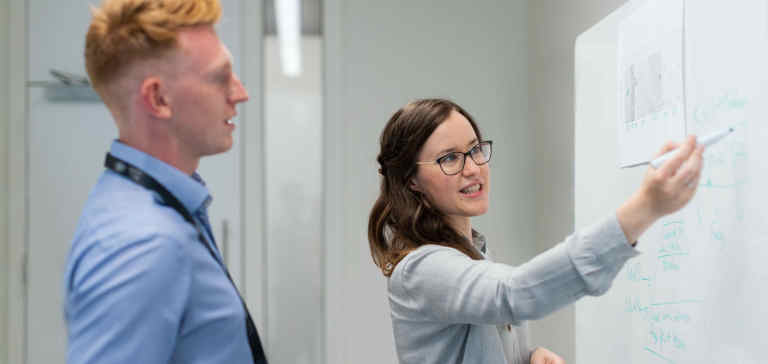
(478, 240)
(190, 190)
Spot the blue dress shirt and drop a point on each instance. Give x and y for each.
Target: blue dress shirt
(139, 285)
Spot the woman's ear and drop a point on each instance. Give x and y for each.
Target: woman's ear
(414, 185)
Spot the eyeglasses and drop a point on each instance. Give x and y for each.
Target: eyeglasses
(453, 163)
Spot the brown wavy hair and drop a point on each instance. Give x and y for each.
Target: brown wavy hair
(402, 219)
(125, 31)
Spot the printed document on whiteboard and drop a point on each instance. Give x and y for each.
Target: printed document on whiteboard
(651, 77)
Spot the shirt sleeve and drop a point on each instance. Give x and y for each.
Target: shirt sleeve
(125, 302)
(436, 283)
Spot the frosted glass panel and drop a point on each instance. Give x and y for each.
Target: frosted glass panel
(293, 140)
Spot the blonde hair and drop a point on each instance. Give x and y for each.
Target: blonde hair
(124, 31)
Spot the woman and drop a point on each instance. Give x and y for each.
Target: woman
(449, 302)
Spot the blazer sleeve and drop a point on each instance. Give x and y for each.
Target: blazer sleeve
(441, 284)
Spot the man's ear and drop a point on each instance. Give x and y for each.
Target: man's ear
(155, 99)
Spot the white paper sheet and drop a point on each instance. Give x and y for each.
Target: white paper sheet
(650, 80)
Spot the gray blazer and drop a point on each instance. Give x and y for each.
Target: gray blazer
(447, 308)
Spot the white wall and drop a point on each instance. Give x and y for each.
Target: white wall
(381, 55)
(4, 90)
(553, 28)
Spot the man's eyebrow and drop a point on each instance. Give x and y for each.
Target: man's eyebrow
(223, 64)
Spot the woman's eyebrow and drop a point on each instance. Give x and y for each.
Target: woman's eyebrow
(451, 149)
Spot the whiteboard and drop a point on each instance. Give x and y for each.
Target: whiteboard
(696, 294)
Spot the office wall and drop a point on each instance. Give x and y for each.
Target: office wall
(553, 28)
(4, 90)
(381, 55)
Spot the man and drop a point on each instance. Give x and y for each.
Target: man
(145, 282)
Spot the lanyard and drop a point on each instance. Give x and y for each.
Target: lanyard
(138, 176)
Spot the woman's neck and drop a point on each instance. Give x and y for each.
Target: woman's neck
(462, 225)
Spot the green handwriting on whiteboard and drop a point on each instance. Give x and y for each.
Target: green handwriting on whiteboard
(722, 106)
(668, 360)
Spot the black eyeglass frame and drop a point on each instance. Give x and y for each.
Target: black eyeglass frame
(466, 154)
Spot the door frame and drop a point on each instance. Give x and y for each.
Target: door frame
(18, 230)
(333, 178)
(5, 91)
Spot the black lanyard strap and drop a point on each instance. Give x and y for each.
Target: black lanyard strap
(138, 176)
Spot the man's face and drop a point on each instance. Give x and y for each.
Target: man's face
(203, 94)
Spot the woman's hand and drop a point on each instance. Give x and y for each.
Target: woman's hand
(544, 356)
(664, 190)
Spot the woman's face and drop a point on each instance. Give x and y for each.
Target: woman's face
(462, 195)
